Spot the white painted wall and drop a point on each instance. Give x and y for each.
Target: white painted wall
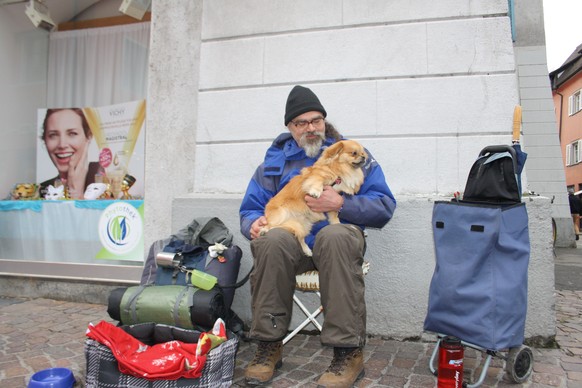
(23, 61)
(425, 89)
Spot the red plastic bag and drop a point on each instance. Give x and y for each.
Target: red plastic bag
(166, 361)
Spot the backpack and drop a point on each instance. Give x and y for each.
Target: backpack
(204, 245)
(224, 266)
(191, 247)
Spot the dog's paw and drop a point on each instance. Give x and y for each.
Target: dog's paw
(333, 218)
(314, 193)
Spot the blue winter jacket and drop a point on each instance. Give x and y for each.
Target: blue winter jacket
(372, 206)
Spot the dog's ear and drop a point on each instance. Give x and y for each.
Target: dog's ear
(333, 150)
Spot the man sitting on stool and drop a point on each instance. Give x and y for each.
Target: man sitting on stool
(338, 250)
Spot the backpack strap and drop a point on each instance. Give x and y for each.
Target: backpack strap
(130, 307)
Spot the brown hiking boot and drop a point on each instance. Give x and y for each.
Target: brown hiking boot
(346, 367)
(267, 358)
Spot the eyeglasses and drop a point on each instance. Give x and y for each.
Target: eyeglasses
(302, 124)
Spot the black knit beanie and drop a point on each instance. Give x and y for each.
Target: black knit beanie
(302, 100)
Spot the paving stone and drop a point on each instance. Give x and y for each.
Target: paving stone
(403, 363)
(392, 381)
(548, 379)
(14, 382)
(571, 359)
(545, 368)
(421, 381)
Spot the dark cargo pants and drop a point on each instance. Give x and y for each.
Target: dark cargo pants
(338, 254)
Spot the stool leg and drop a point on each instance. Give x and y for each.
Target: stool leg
(310, 318)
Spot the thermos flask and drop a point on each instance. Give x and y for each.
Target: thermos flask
(450, 370)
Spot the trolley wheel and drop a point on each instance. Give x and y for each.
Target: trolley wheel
(519, 364)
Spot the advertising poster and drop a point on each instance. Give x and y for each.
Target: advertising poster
(81, 146)
(95, 156)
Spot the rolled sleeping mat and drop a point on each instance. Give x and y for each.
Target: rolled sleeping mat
(182, 306)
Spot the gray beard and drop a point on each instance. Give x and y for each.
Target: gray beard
(312, 149)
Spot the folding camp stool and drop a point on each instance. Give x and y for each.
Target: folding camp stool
(309, 282)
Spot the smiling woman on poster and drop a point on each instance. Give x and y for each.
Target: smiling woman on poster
(67, 136)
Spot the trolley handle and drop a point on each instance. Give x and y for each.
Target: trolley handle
(493, 149)
(498, 148)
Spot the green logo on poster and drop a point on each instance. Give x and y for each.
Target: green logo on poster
(117, 230)
(120, 228)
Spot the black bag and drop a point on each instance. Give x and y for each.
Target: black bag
(493, 178)
(103, 370)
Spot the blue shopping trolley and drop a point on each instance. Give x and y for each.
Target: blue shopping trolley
(478, 292)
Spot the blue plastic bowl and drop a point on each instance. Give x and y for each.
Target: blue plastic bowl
(52, 378)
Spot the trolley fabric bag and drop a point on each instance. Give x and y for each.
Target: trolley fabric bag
(103, 368)
(478, 291)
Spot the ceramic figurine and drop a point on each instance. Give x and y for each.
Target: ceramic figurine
(97, 191)
(54, 193)
(25, 191)
(126, 184)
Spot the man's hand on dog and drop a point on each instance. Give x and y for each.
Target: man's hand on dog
(257, 226)
(329, 200)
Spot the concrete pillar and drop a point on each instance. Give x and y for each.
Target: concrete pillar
(171, 111)
(544, 167)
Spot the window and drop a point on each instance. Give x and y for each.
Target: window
(573, 153)
(575, 103)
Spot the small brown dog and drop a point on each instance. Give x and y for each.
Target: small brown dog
(339, 166)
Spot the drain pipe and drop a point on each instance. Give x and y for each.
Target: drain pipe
(560, 120)
(511, 9)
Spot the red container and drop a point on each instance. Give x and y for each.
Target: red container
(450, 370)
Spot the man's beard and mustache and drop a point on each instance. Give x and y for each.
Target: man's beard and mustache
(312, 146)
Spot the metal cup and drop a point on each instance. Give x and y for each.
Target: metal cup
(168, 260)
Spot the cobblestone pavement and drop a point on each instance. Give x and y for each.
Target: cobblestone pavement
(41, 333)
